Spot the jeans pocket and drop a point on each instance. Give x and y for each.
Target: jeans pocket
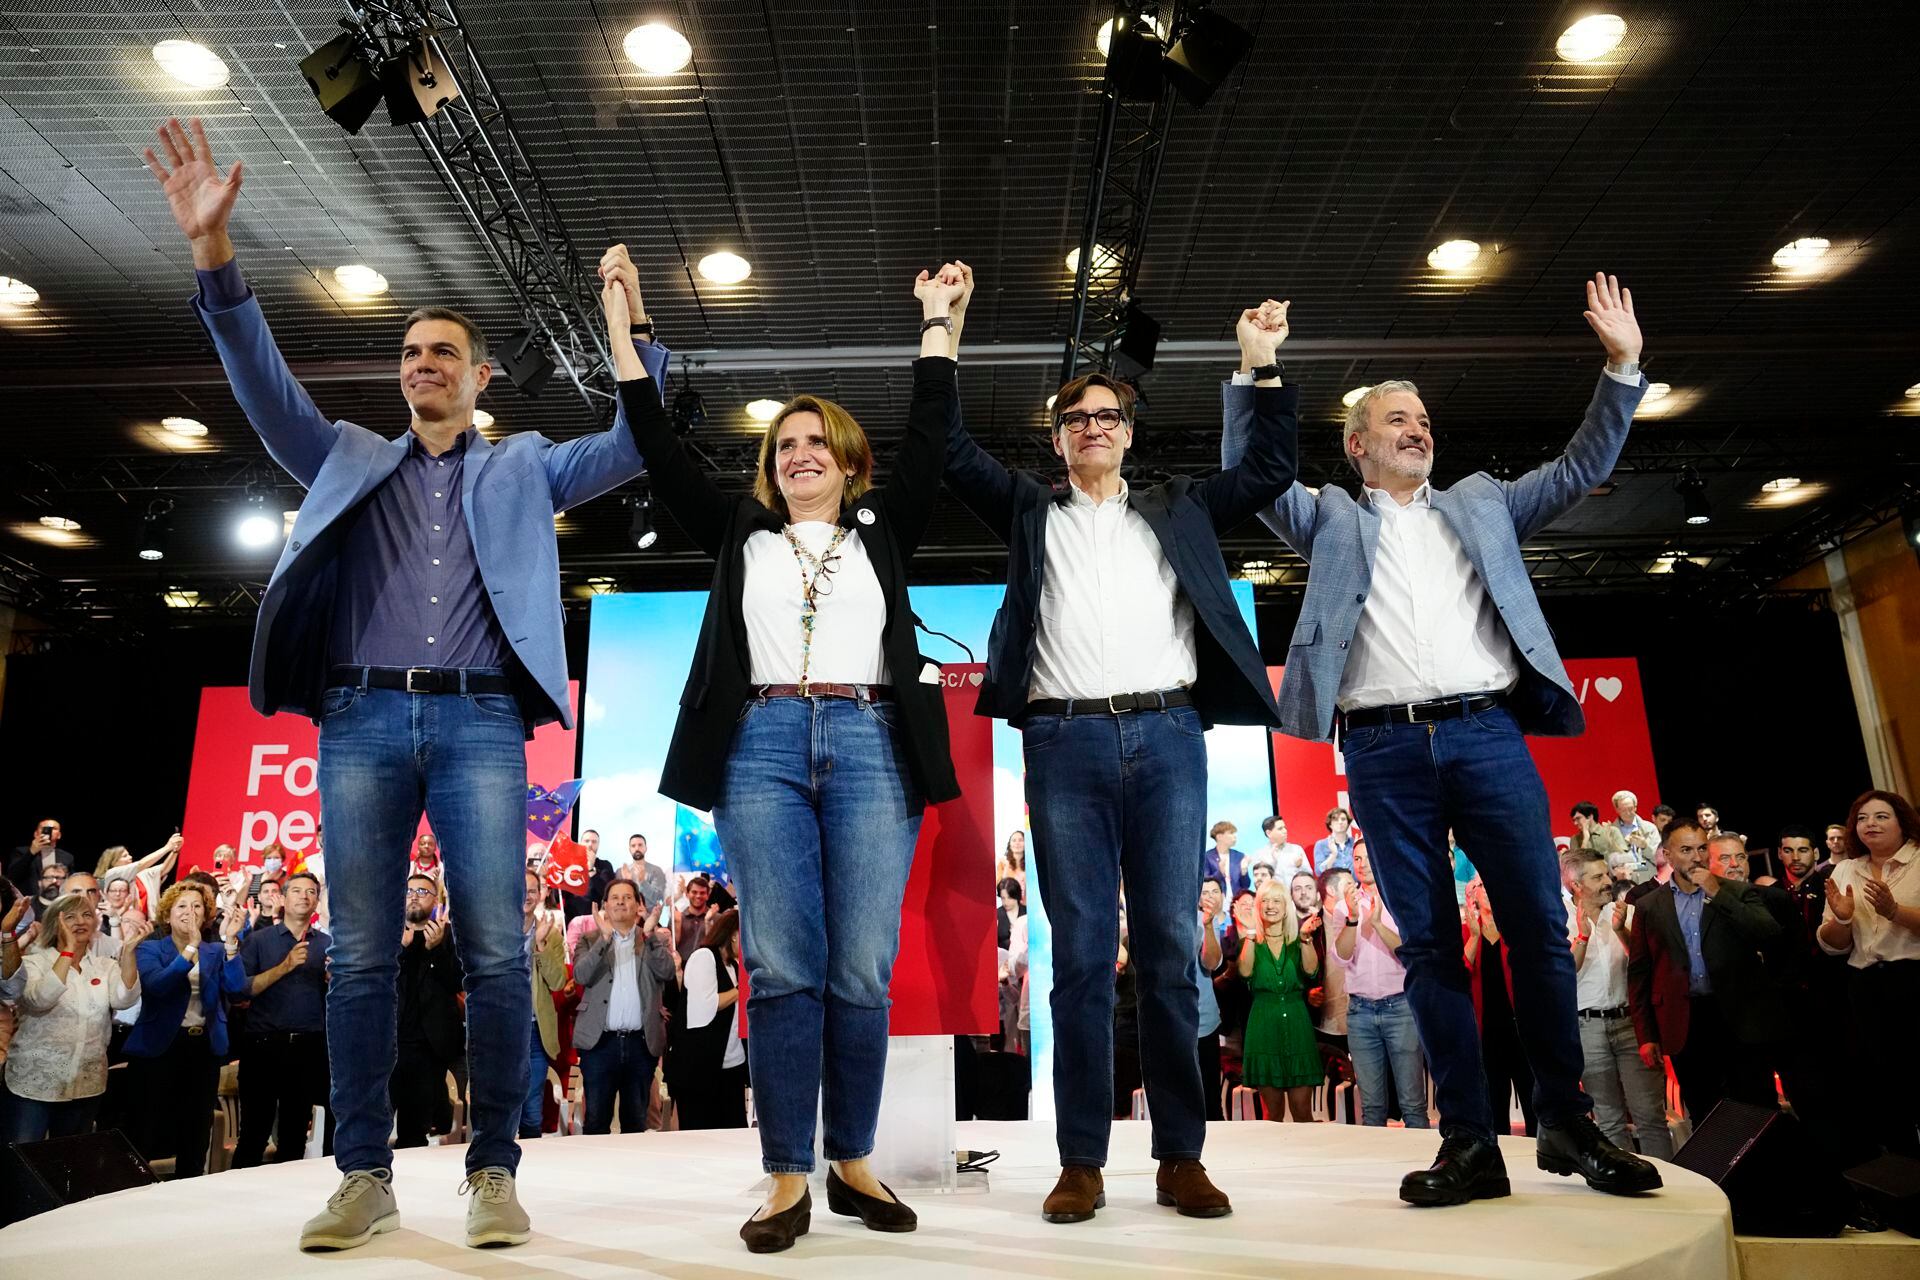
(1040, 732)
(338, 699)
(1496, 720)
(1354, 741)
(885, 714)
(503, 705)
(1186, 721)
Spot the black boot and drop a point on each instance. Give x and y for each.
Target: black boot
(1578, 1146)
(1468, 1168)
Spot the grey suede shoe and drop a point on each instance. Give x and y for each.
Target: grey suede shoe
(361, 1209)
(494, 1215)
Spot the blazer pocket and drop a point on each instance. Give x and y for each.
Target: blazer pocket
(1306, 633)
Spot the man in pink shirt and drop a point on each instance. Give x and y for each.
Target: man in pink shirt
(1380, 1031)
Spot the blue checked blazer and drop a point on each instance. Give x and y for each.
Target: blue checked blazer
(1338, 537)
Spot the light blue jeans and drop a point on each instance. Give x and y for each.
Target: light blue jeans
(818, 817)
(384, 755)
(1386, 1052)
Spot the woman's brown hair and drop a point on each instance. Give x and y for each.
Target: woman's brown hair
(845, 441)
(1903, 813)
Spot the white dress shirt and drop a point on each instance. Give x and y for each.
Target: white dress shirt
(60, 1051)
(623, 1002)
(1112, 616)
(1876, 938)
(1601, 980)
(703, 1005)
(850, 610)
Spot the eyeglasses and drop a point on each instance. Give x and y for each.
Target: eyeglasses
(1077, 421)
(422, 893)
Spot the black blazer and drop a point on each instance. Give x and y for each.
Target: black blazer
(429, 992)
(1185, 514)
(890, 520)
(1737, 926)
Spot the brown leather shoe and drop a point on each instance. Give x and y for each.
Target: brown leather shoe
(1079, 1192)
(1184, 1185)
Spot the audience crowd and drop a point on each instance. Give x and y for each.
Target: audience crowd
(188, 1010)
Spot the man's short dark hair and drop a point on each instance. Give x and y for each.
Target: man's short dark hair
(1218, 882)
(704, 880)
(1076, 391)
(627, 884)
(636, 836)
(1661, 809)
(1337, 812)
(1796, 832)
(1586, 809)
(1266, 828)
(423, 879)
(476, 340)
(1010, 887)
(303, 875)
(1682, 824)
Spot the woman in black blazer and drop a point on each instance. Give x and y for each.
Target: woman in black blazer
(815, 732)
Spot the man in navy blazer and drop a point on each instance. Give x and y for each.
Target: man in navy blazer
(415, 615)
(1117, 646)
(1422, 645)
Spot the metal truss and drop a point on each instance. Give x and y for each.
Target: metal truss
(474, 146)
(1128, 148)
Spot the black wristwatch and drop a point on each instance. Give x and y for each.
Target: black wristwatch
(942, 322)
(1268, 371)
(642, 330)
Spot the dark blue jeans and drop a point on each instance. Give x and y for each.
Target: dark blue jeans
(618, 1066)
(818, 817)
(1115, 798)
(384, 755)
(1409, 783)
(533, 1098)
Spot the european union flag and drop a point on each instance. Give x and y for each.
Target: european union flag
(547, 810)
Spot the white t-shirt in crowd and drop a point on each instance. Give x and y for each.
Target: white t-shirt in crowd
(703, 1004)
(850, 610)
(1601, 981)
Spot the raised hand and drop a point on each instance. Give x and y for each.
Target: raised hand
(201, 200)
(1353, 906)
(175, 840)
(296, 957)
(965, 273)
(406, 936)
(436, 932)
(1261, 330)
(1610, 315)
(134, 933)
(1879, 897)
(939, 291)
(542, 931)
(616, 264)
(1842, 903)
(17, 910)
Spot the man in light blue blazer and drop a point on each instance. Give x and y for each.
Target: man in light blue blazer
(415, 615)
(1422, 646)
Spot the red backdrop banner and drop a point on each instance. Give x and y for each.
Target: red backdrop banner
(255, 778)
(1615, 753)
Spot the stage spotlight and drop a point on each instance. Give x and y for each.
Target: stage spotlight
(523, 358)
(689, 408)
(641, 531)
(1133, 60)
(257, 527)
(764, 410)
(1204, 54)
(1693, 496)
(1139, 340)
(344, 74)
(156, 530)
(417, 83)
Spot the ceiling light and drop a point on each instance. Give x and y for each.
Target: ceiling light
(61, 523)
(156, 529)
(361, 282)
(657, 49)
(1050, 400)
(1590, 38)
(1781, 485)
(1913, 392)
(191, 63)
(17, 293)
(1352, 397)
(482, 419)
(1104, 259)
(177, 598)
(602, 586)
(641, 530)
(725, 268)
(256, 528)
(191, 427)
(763, 410)
(1693, 496)
(1656, 391)
(1801, 256)
(1454, 255)
(1103, 39)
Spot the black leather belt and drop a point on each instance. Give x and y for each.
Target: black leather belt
(420, 679)
(1605, 1015)
(1422, 712)
(1112, 705)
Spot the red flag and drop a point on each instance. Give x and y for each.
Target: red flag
(567, 865)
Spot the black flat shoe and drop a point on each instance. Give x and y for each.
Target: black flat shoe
(874, 1213)
(1579, 1147)
(1467, 1168)
(774, 1234)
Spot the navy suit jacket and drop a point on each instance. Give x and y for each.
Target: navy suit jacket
(1185, 514)
(164, 993)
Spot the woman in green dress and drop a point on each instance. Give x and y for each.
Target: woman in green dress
(1281, 1057)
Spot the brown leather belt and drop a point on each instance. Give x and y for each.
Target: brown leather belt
(820, 689)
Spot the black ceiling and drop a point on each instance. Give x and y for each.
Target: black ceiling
(842, 147)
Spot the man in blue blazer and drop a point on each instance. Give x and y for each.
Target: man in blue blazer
(415, 615)
(1421, 644)
(1117, 646)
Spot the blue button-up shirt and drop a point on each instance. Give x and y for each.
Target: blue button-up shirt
(298, 1002)
(1689, 906)
(1209, 1003)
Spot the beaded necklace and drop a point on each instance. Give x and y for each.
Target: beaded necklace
(822, 567)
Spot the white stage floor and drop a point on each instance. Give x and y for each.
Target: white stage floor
(1310, 1200)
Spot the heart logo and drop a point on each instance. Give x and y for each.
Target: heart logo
(1608, 687)
(974, 678)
